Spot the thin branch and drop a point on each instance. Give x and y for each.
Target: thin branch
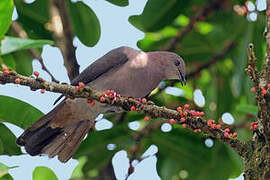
(20, 32)
(62, 31)
(193, 122)
(201, 15)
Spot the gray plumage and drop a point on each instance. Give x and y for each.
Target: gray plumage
(127, 71)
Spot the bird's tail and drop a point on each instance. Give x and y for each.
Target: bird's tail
(54, 141)
(49, 135)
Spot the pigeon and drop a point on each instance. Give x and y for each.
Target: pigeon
(127, 71)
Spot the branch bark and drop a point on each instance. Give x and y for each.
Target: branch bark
(193, 122)
(20, 32)
(63, 35)
(201, 15)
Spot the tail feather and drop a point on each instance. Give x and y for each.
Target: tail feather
(55, 141)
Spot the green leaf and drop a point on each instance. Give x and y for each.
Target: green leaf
(119, 2)
(6, 177)
(6, 9)
(44, 173)
(18, 112)
(8, 139)
(85, 23)
(11, 44)
(246, 108)
(183, 150)
(34, 18)
(20, 61)
(4, 169)
(157, 14)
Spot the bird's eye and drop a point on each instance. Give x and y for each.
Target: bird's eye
(177, 63)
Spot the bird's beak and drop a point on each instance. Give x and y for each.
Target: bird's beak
(182, 79)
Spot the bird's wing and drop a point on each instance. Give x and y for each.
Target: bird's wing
(102, 65)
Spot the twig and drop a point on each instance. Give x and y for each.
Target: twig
(263, 117)
(201, 15)
(19, 31)
(193, 122)
(63, 35)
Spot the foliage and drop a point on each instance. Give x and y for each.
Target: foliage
(224, 85)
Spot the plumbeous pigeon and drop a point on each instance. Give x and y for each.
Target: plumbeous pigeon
(129, 72)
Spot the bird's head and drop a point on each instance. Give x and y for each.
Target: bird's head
(174, 66)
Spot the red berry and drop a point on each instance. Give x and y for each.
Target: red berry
(252, 89)
(102, 93)
(179, 109)
(182, 119)
(268, 85)
(77, 88)
(268, 13)
(144, 100)
(251, 128)
(36, 73)
(264, 92)
(171, 121)
(81, 84)
(226, 134)
(185, 113)
(227, 130)
(17, 80)
(4, 68)
(249, 66)
(132, 108)
(235, 134)
(92, 104)
(255, 126)
(42, 91)
(184, 125)
(195, 130)
(218, 126)
(6, 72)
(89, 101)
(210, 122)
(186, 106)
(146, 118)
(214, 126)
(102, 99)
(108, 92)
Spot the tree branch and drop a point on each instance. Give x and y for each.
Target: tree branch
(193, 122)
(19, 31)
(201, 15)
(62, 31)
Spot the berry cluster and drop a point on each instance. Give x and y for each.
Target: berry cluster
(263, 90)
(5, 70)
(253, 126)
(91, 102)
(80, 86)
(227, 134)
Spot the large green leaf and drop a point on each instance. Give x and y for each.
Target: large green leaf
(182, 150)
(11, 44)
(94, 147)
(157, 14)
(4, 171)
(44, 173)
(85, 23)
(8, 139)
(34, 17)
(246, 108)
(6, 9)
(20, 61)
(18, 112)
(119, 2)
